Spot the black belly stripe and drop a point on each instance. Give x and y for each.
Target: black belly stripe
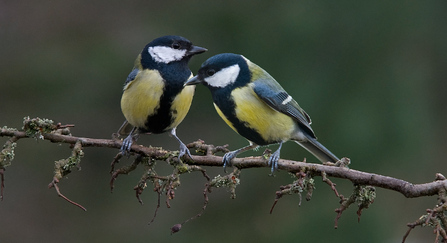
(227, 106)
(162, 119)
(177, 74)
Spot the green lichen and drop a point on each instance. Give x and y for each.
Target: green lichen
(224, 181)
(182, 168)
(9, 128)
(365, 196)
(7, 154)
(63, 167)
(73, 160)
(36, 127)
(301, 184)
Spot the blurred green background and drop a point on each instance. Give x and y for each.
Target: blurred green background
(372, 75)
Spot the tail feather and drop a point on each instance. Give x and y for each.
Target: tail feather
(318, 150)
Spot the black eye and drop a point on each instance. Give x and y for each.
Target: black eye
(176, 45)
(210, 72)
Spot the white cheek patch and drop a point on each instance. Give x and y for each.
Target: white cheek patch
(224, 77)
(287, 100)
(166, 54)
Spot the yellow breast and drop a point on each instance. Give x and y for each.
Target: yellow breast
(181, 104)
(141, 97)
(224, 117)
(256, 114)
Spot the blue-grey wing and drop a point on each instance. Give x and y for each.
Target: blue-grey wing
(277, 98)
(131, 76)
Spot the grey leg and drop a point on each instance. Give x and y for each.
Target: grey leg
(127, 142)
(183, 149)
(231, 155)
(273, 161)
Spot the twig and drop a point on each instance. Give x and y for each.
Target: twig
(177, 227)
(124, 170)
(2, 183)
(54, 184)
(115, 161)
(158, 205)
(330, 183)
(231, 181)
(411, 226)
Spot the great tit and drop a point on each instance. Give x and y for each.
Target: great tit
(155, 99)
(254, 105)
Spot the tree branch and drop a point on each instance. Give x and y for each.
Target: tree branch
(304, 172)
(407, 189)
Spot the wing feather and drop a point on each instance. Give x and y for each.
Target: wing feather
(277, 98)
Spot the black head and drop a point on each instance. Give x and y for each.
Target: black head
(168, 49)
(226, 70)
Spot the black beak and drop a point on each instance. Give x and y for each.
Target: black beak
(193, 80)
(196, 50)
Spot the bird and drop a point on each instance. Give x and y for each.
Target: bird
(154, 98)
(255, 105)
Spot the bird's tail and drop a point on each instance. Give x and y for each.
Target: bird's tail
(318, 150)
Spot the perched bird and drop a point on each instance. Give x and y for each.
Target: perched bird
(254, 105)
(155, 99)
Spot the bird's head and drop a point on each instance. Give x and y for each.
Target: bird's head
(170, 48)
(226, 70)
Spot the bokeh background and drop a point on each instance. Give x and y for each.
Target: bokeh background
(372, 75)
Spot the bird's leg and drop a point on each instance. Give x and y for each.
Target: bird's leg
(273, 161)
(127, 142)
(183, 149)
(231, 155)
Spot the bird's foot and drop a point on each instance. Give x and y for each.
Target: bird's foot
(227, 159)
(184, 151)
(127, 143)
(273, 161)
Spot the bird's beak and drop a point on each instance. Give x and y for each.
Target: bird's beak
(196, 50)
(193, 80)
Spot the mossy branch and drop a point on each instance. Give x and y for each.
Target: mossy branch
(407, 189)
(363, 192)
